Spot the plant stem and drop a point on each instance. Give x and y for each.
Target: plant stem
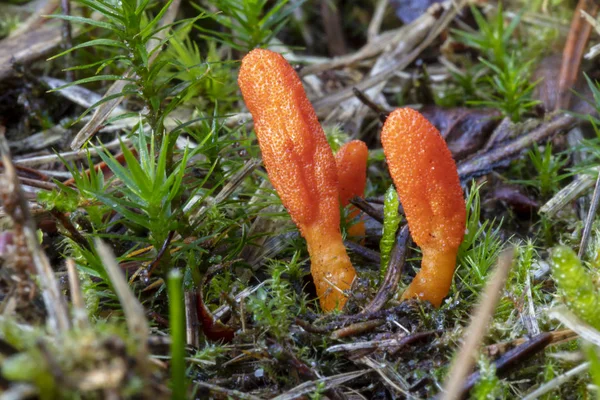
(177, 325)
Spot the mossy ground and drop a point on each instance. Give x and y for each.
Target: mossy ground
(189, 193)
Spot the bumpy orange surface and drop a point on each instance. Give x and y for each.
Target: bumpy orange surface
(351, 160)
(427, 182)
(300, 165)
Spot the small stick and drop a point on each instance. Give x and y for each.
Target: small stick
(307, 372)
(385, 344)
(367, 208)
(357, 328)
(67, 36)
(308, 327)
(499, 349)
(70, 155)
(556, 382)
(579, 33)
(25, 172)
(49, 186)
(512, 358)
(392, 277)
(80, 316)
(363, 251)
(161, 253)
(570, 192)
(477, 329)
(332, 25)
(230, 393)
(371, 104)
(234, 182)
(58, 319)
(436, 26)
(132, 308)
(191, 320)
(375, 24)
(74, 234)
(587, 230)
(481, 163)
(325, 383)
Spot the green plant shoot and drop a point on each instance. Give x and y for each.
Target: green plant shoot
(575, 285)
(391, 221)
(177, 325)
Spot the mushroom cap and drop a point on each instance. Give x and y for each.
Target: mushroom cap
(426, 179)
(351, 160)
(295, 151)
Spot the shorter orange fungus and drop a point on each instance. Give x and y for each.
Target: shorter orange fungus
(351, 160)
(427, 182)
(300, 165)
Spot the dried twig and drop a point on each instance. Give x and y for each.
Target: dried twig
(31, 41)
(230, 393)
(375, 24)
(390, 375)
(161, 253)
(69, 155)
(388, 287)
(556, 382)
(234, 182)
(512, 358)
(363, 251)
(385, 344)
(73, 233)
(357, 328)
(587, 229)
(67, 36)
(332, 24)
(80, 316)
(133, 310)
(38, 184)
(576, 324)
(432, 28)
(58, 319)
(577, 39)
(483, 162)
(290, 360)
(567, 194)
(371, 49)
(191, 319)
(371, 104)
(367, 208)
(478, 327)
(323, 384)
(351, 111)
(499, 349)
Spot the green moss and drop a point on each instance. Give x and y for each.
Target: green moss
(575, 285)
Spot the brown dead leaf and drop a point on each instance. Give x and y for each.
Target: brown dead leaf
(465, 129)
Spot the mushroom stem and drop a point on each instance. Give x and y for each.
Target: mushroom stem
(437, 270)
(330, 266)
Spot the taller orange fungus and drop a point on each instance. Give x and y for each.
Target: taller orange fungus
(300, 165)
(351, 160)
(427, 182)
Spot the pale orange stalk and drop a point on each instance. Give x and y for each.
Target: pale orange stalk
(351, 160)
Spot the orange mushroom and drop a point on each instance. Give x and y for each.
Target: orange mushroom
(300, 165)
(351, 160)
(427, 182)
